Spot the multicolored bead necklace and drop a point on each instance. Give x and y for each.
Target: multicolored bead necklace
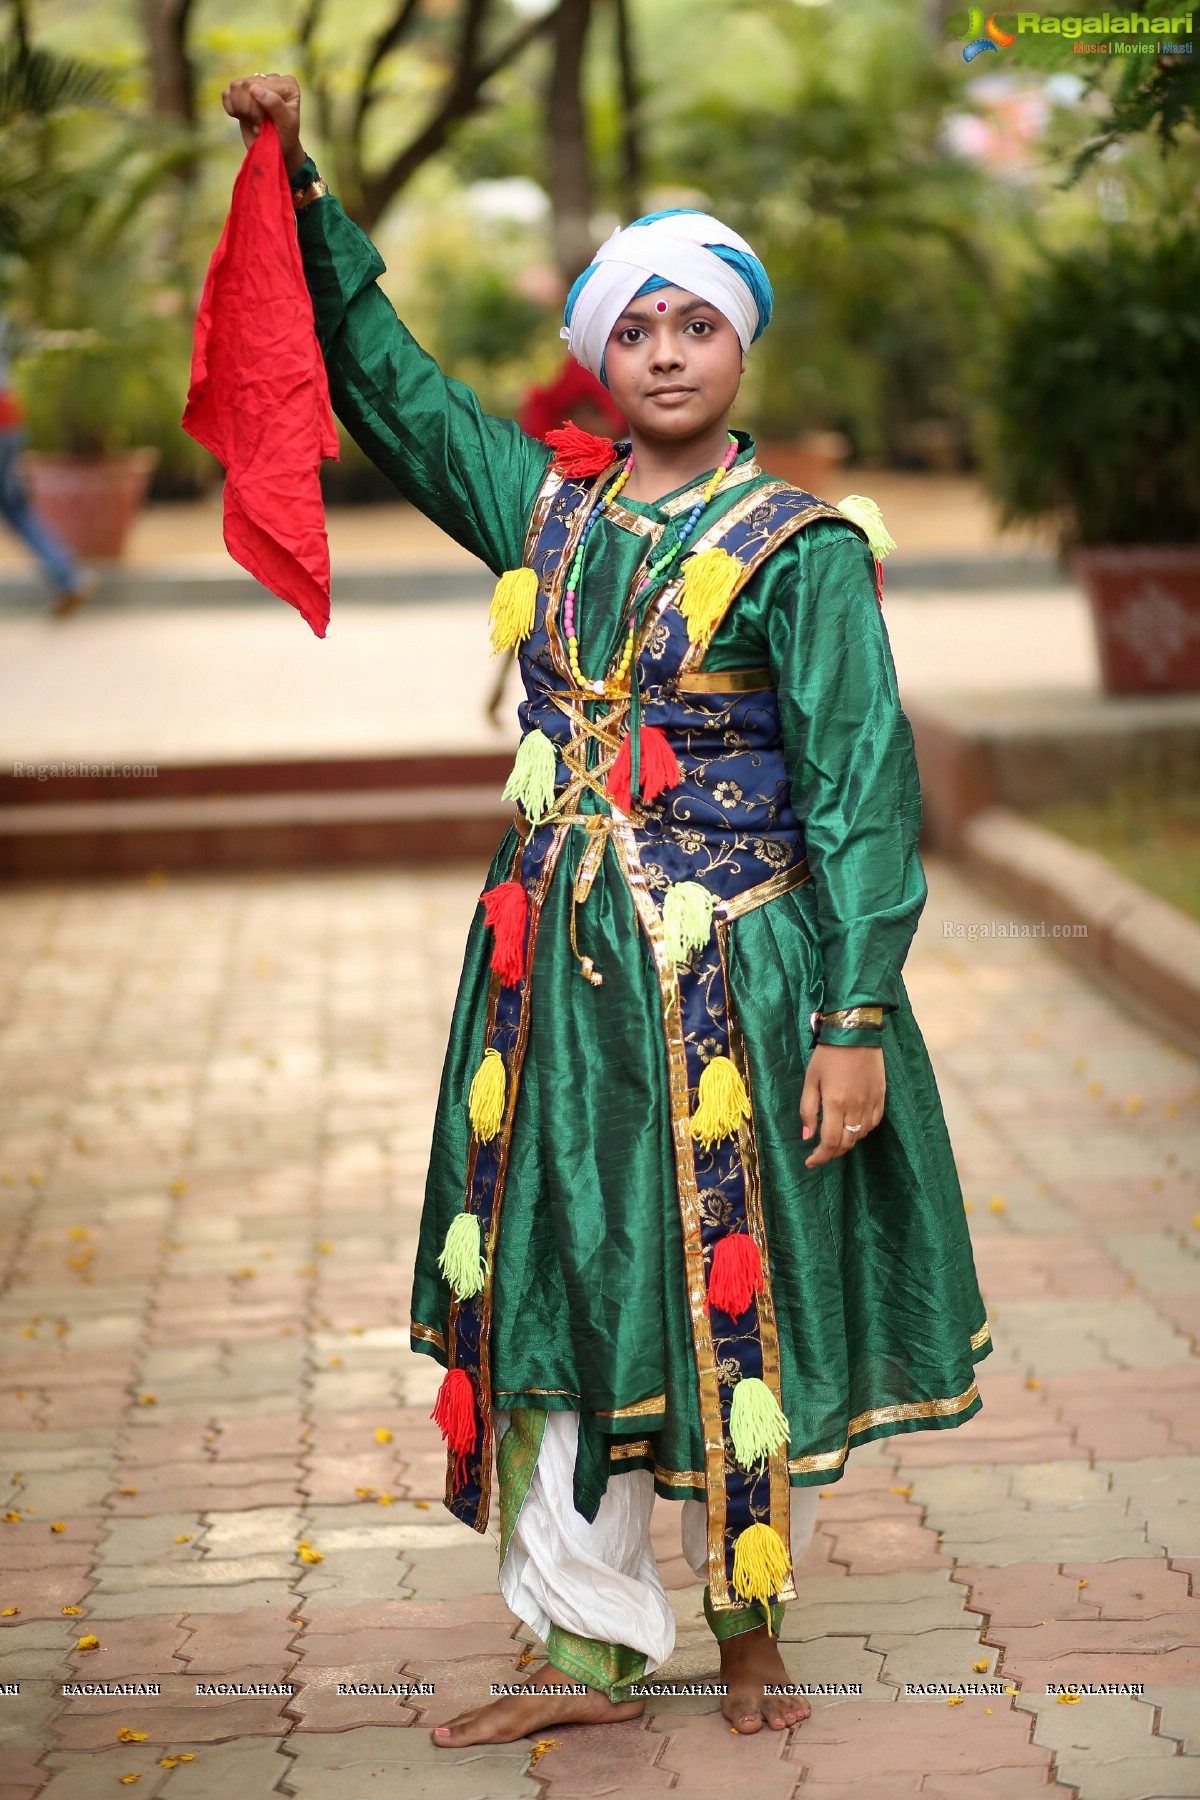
(614, 684)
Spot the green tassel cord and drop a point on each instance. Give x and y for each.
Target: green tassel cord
(864, 512)
(461, 1260)
(687, 919)
(758, 1425)
(531, 783)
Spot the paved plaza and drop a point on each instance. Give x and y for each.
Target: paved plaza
(218, 1466)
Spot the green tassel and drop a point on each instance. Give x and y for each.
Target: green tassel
(757, 1423)
(531, 783)
(865, 512)
(461, 1261)
(687, 918)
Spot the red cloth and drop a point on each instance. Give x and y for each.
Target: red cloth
(10, 410)
(259, 398)
(547, 407)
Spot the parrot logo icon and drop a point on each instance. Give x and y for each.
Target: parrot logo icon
(985, 37)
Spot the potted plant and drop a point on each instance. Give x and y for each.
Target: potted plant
(1095, 426)
(90, 403)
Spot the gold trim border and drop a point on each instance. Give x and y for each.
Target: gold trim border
(825, 1459)
(726, 681)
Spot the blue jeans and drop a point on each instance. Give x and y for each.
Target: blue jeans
(16, 511)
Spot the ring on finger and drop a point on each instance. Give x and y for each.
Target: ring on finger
(851, 1127)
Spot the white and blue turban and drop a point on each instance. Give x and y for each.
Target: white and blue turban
(689, 250)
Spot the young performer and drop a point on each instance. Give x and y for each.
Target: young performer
(674, 1242)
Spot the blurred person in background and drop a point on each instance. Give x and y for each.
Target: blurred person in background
(733, 1243)
(71, 583)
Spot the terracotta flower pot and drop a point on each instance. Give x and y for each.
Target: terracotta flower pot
(90, 501)
(1145, 600)
(811, 463)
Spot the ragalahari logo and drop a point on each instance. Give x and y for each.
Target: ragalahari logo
(985, 37)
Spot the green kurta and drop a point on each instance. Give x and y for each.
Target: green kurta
(879, 1315)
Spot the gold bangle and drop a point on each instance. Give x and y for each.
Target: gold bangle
(302, 197)
(854, 1018)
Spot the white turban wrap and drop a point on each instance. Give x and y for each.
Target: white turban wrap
(673, 248)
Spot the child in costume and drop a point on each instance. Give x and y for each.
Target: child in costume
(645, 1266)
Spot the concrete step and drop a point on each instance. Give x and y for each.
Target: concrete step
(255, 816)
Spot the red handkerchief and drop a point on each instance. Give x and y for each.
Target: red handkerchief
(259, 397)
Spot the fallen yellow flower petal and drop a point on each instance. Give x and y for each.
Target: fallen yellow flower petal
(1133, 1105)
(1010, 1690)
(997, 1204)
(980, 1668)
(335, 1362)
(187, 1756)
(9, 1612)
(167, 1762)
(955, 1700)
(540, 1748)
(1095, 1088)
(59, 1525)
(365, 1493)
(382, 1435)
(127, 1490)
(987, 1709)
(127, 1735)
(90, 1642)
(1033, 1382)
(147, 1399)
(385, 1499)
(13, 1518)
(185, 1537)
(308, 1555)
(1068, 1699)
(128, 1780)
(968, 1206)
(906, 1491)
(79, 1234)
(1081, 1584)
(423, 1504)
(71, 1612)
(178, 1188)
(324, 1248)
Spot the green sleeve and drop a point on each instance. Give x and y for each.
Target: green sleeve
(850, 760)
(475, 475)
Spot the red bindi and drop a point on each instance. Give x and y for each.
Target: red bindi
(660, 306)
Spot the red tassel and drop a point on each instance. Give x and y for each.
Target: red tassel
(659, 768)
(736, 1274)
(879, 581)
(578, 453)
(506, 910)
(454, 1415)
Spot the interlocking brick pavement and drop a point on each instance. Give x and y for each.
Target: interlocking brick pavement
(215, 1100)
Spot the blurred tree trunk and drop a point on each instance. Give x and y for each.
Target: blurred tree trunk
(632, 162)
(172, 78)
(469, 64)
(570, 174)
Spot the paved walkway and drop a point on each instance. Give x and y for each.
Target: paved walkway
(216, 1457)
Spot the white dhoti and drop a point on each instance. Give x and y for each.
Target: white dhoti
(563, 1574)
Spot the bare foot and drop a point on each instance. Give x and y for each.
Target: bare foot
(749, 1664)
(521, 1715)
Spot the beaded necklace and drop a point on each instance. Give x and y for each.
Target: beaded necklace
(613, 685)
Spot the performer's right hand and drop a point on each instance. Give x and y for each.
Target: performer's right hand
(253, 98)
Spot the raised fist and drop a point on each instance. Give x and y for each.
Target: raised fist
(253, 98)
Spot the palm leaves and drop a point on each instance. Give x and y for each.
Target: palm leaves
(36, 87)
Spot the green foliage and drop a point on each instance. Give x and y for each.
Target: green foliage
(1095, 392)
(36, 87)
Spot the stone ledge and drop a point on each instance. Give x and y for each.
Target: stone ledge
(1145, 950)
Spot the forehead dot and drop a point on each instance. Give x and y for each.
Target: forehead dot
(660, 306)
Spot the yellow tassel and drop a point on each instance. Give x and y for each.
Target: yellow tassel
(761, 1565)
(512, 608)
(485, 1103)
(722, 1103)
(864, 512)
(709, 579)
